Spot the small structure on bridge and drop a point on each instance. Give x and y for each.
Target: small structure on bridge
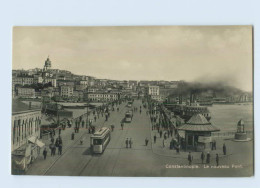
(241, 135)
(197, 135)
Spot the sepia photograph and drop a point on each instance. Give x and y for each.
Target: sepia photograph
(132, 101)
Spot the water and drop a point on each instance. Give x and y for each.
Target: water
(227, 116)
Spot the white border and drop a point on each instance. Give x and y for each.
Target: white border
(111, 13)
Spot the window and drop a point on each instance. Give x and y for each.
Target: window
(97, 141)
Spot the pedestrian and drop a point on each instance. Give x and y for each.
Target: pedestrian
(224, 149)
(154, 139)
(54, 150)
(52, 140)
(146, 141)
(83, 124)
(163, 143)
(72, 136)
(126, 143)
(190, 158)
(112, 127)
(60, 149)
(95, 118)
(178, 148)
(202, 157)
(140, 111)
(160, 133)
(130, 142)
(208, 158)
(217, 159)
(44, 153)
(122, 125)
(165, 137)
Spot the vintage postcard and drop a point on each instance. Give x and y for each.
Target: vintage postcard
(150, 101)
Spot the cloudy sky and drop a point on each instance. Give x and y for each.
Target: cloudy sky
(205, 54)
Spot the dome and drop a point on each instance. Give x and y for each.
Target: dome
(241, 122)
(48, 62)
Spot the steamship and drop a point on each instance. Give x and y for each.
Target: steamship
(186, 111)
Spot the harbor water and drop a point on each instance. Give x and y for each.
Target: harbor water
(226, 116)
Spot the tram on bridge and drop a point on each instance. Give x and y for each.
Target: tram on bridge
(100, 139)
(128, 116)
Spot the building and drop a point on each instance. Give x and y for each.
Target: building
(153, 90)
(47, 64)
(158, 98)
(197, 133)
(80, 87)
(83, 82)
(66, 91)
(102, 97)
(25, 145)
(23, 80)
(26, 92)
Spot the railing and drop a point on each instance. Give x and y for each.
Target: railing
(229, 133)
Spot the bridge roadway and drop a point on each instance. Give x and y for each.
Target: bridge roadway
(117, 160)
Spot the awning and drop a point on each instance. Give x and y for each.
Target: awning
(36, 141)
(39, 143)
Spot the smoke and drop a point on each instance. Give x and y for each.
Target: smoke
(214, 89)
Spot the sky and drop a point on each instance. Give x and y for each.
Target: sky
(191, 53)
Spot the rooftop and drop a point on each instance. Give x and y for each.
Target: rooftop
(198, 123)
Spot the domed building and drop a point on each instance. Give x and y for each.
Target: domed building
(47, 64)
(197, 133)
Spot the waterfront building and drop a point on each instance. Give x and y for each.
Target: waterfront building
(26, 124)
(197, 133)
(101, 96)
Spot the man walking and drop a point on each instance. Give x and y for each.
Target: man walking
(163, 143)
(202, 157)
(60, 149)
(122, 125)
(208, 158)
(190, 158)
(217, 159)
(224, 149)
(126, 143)
(130, 142)
(154, 139)
(146, 141)
(44, 153)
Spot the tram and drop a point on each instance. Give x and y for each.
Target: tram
(128, 117)
(100, 139)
